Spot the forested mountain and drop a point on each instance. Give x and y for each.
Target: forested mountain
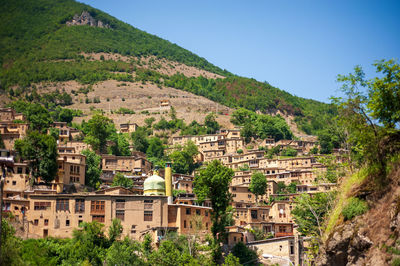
(36, 45)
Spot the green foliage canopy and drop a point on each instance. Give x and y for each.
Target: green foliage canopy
(41, 153)
(139, 139)
(261, 126)
(156, 148)
(367, 102)
(309, 212)
(99, 129)
(213, 183)
(258, 184)
(122, 181)
(93, 170)
(183, 158)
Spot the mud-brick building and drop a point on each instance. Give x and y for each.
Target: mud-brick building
(58, 215)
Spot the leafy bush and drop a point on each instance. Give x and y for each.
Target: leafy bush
(123, 110)
(245, 254)
(289, 152)
(261, 126)
(353, 208)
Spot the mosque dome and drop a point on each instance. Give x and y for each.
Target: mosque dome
(154, 185)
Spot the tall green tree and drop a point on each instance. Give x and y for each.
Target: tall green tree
(211, 124)
(384, 93)
(213, 183)
(124, 252)
(115, 230)
(93, 170)
(99, 128)
(38, 117)
(121, 146)
(156, 148)
(183, 158)
(247, 132)
(40, 151)
(139, 138)
(66, 115)
(367, 102)
(310, 212)
(89, 244)
(149, 121)
(258, 184)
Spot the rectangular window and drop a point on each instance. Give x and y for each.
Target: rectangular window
(281, 208)
(148, 206)
(291, 248)
(46, 222)
(198, 212)
(133, 229)
(19, 170)
(120, 214)
(184, 223)
(66, 222)
(206, 213)
(148, 216)
(36, 222)
(120, 204)
(79, 206)
(253, 214)
(14, 183)
(188, 211)
(98, 218)
(62, 205)
(97, 206)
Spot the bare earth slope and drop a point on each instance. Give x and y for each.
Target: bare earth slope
(140, 98)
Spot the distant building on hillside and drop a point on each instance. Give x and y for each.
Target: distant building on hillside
(128, 127)
(165, 103)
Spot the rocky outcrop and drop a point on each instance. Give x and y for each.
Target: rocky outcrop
(347, 246)
(86, 19)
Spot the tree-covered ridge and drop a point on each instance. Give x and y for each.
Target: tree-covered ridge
(36, 45)
(36, 30)
(311, 116)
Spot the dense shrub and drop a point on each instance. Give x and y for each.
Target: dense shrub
(353, 208)
(246, 255)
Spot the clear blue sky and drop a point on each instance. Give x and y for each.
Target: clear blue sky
(297, 46)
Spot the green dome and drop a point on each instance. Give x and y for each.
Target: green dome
(154, 185)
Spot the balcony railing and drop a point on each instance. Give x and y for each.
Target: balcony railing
(281, 234)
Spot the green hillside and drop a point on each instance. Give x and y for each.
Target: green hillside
(36, 45)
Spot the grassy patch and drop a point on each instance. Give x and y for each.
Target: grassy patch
(342, 200)
(354, 207)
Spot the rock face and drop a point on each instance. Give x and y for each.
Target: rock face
(347, 246)
(86, 19)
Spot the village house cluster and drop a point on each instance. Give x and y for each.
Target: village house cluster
(56, 209)
(273, 216)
